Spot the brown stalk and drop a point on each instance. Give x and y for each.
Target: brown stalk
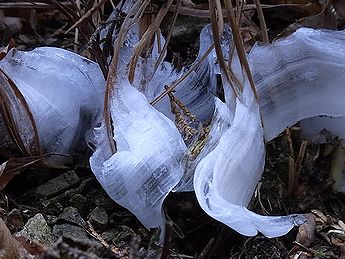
(87, 15)
(299, 160)
(8, 88)
(181, 114)
(289, 138)
(239, 44)
(27, 5)
(162, 53)
(145, 39)
(262, 21)
(180, 80)
(71, 12)
(166, 243)
(205, 13)
(230, 76)
(291, 181)
(136, 10)
(295, 169)
(144, 23)
(219, 15)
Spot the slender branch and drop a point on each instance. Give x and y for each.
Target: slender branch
(205, 13)
(239, 44)
(112, 75)
(145, 38)
(262, 21)
(87, 15)
(180, 80)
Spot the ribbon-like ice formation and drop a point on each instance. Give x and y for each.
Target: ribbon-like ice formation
(296, 78)
(299, 77)
(64, 93)
(150, 160)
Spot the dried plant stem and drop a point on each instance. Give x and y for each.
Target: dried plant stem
(204, 13)
(180, 80)
(76, 36)
(136, 10)
(183, 125)
(299, 160)
(121, 253)
(162, 53)
(262, 21)
(145, 39)
(295, 169)
(220, 20)
(166, 243)
(10, 88)
(239, 44)
(289, 138)
(216, 31)
(291, 181)
(87, 15)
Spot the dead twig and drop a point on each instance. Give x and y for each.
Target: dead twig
(122, 253)
(217, 30)
(239, 44)
(295, 168)
(289, 138)
(136, 11)
(162, 53)
(205, 13)
(291, 181)
(166, 245)
(87, 15)
(180, 80)
(262, 21)
(154, 27)
(299, 160)
(206, 249)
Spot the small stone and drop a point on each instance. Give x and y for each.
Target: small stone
(37, 230)
(80, 202)
(71, 215)
(51, 220)
(110, 234)
(99, 218)
(69, 230)
(58, 185)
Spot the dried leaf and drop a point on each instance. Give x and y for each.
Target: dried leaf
(8, 245)
(13, 166)
(5, 50)
(28, 247)
(325, 19)
(306, 231)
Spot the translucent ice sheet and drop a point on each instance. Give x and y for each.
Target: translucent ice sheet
(299, 77)
(148, 162)
(63, 90)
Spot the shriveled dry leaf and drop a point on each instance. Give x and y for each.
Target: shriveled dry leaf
(4, 51)
(13, 166)
(306, 231)
(305, 236)
(324, 19)
(29, 248)
(8, 245)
